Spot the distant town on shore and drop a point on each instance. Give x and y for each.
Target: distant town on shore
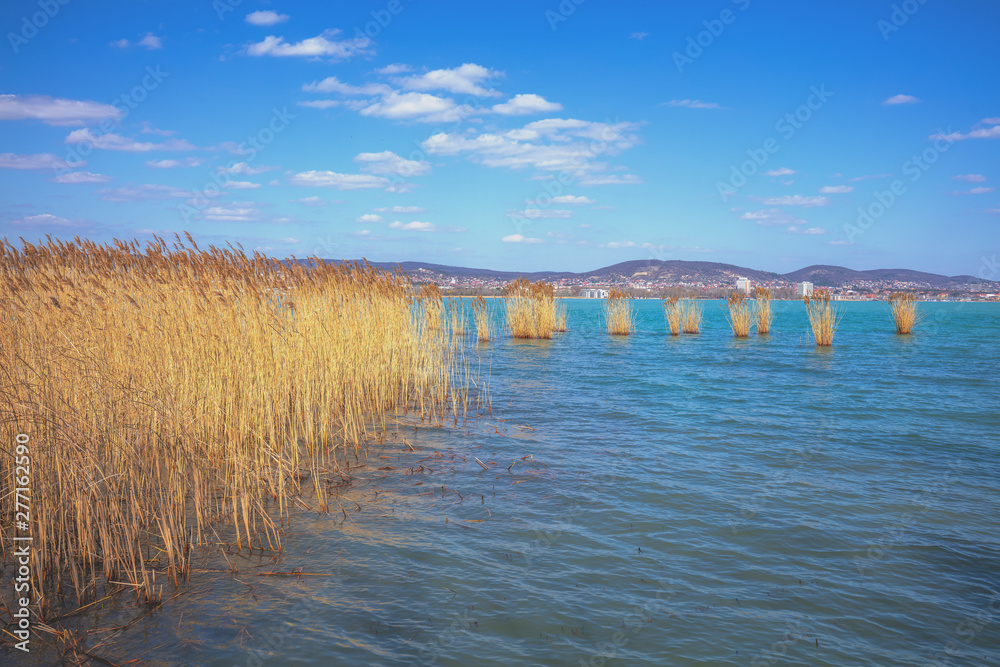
(654, 278)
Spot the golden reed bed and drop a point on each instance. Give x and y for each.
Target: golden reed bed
(165, 389)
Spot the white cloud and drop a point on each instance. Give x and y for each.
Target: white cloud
(901, 99)
(241, 185)
(400, 209)
(518, 238)
(541, 214)
(794, 200)
(609, 179)
(311, 201)
(868, 177)
(978, 133)
(521, 105)
(81, 177)
(981, 190)
(37, 161)
(266, 18)
(115, 142)
(421, 107)
(693, 104)
(149, 41)
(836, 189)
(771, 218)
(230, 213)
(395, 68)
(332, 84)
(369, 217)
(321, 45)
(639, 35)
(171, 164)
(618, 244)
(319, 104)
(572, 200)
(782, 171)
(54, 110)
(811, 231)
(971, 178)
(245, 169)
(42, 219)
(463, 80)
(363, 232)
(331, 179)
(415, 226)
(142, 192)
(388, 162)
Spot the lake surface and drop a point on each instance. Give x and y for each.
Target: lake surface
(695, 500)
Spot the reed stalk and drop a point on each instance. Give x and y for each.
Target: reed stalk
(823, 317)
(762, 310)
(740, 315)
(673, 313)
(904, 311)
(167, 389)
(530, 308)
(483, 319)
(618, 313)
(690, 316)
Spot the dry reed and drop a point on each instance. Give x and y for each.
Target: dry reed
(561, 316)
(531, 309)
(762, 309)
(165, 390)
(740, 315)
(690, 316)
(483, 319)
(673, 312)
(904, 311)
(619, 313)
(822, 317)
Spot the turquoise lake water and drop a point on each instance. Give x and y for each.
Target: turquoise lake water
(654, 500)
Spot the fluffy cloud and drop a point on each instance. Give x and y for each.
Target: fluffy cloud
(395, 68)
(992, 132)
(42, 220)
(115, 142)
(421, 107)
(782, 171)
(572, 200)
(37, 161)
(142, 193)
(463, 80)
(150, 41)
(609, 179)
(331, 179)
(794, 200)
(54, 110)
(518, 238)
(311, 201)
(332, 84)
(981, 190)
(693, 104)
(171, 164)
(388, 162)
(836, 189)
(771, 218)
(230, 213)
(522, 105)
(245, 169)
(415, 226)
(370, 217)
(618, 244)
(321, 45)
(241, 185)
(81, 177)
(811, 231)
(400, 209)
(970, 178)
(901, 99)
(265, 18)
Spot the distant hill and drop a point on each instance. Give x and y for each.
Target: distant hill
(678, 271)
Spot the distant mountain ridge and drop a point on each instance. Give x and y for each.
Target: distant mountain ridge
(692, 272)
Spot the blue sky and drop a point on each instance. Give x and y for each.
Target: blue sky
(523, 135)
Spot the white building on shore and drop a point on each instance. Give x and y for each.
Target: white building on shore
(594, 293)
(804, 289)
(743, 285)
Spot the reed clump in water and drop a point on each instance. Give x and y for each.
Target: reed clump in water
(167, 389)
(619, 313)
(483, 318)
(822, 317)
(562, 317)
(762, 310)
(690, 316)
(740, 315)
(531, 309)
(673, 312)
(904, 311)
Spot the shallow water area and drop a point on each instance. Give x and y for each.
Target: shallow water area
(689, 500)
